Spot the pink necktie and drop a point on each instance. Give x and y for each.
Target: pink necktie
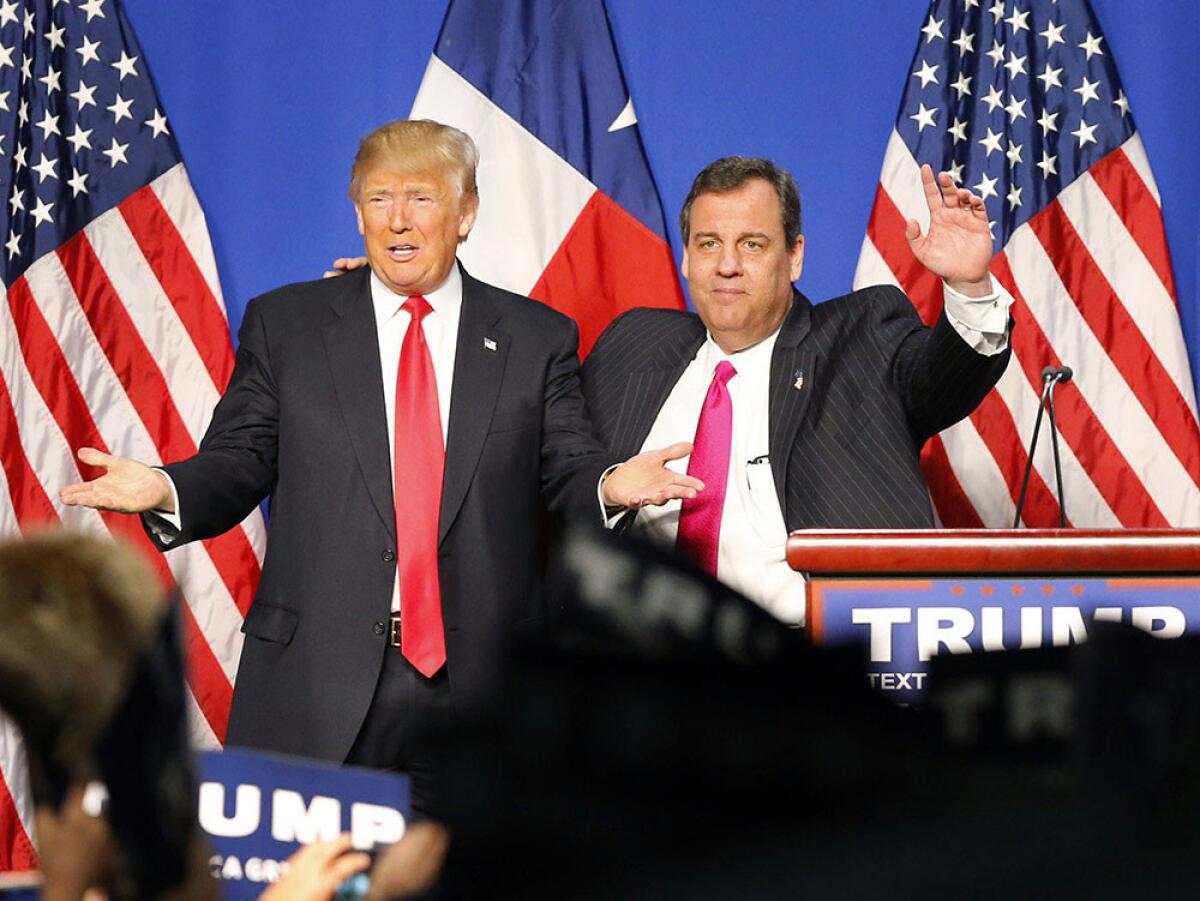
(419, 460)
(700, 516)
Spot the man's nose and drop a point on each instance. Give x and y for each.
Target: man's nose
(730, 261)
(398, 220)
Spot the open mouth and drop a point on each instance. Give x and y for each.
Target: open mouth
(402, 252)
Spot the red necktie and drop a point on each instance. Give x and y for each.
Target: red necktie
(417, 484)
(700, 516)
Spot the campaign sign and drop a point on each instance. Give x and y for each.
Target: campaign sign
(256, 810)
(903, 623)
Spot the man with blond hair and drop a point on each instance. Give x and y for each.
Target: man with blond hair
(405, 421)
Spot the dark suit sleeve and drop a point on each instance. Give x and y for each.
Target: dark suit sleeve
(235, 468)
(940, 378)
(572, 459)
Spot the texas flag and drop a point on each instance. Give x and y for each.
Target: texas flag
(569, 213)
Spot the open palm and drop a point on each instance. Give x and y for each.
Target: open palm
(958, 245)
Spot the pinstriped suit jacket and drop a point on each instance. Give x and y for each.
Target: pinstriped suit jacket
(876, 384)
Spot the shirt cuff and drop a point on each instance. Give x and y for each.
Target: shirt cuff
(165, 526)
(610, 519)
(982, 322)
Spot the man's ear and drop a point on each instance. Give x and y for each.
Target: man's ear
(467, 221)
(359, 216)
(796, 264)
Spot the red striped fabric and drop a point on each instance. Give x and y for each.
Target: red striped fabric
(16, 849)
(180, 276)
(1139, 211)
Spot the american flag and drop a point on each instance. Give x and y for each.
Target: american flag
(1021, 102)
(114, 333)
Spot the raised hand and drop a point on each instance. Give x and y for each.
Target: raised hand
(958, 245)
(342, 265)
(644, 480)
(127, 486)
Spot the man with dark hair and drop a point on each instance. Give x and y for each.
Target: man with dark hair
(803, 415)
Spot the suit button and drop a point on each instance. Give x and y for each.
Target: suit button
(388, 555)
(379, 628)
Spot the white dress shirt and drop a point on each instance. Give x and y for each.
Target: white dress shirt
(391, 325)
(751, 556)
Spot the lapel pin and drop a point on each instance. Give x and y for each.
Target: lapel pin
(798, 375)
(489, 344)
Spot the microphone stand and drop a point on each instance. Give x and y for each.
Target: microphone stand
(1050, 377)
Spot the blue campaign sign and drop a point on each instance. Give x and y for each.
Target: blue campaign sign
(256, 810)
(903, 623)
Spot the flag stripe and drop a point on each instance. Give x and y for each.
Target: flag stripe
(182, 281)
(994, 422)
(1022, 397)
(951, 501)
(174, 191)
(156, 325)
(1081, 428)
(1118, 258)
(1116, 409)
(210, 687)
(16, 805)
(1139, 210)
(29, 500)
(1106, 315)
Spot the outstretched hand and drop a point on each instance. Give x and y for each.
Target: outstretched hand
(342, 265)
(127, 486)
(644, 480)
(958, 245)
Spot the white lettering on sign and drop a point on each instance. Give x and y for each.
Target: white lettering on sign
(256, 869)
(373, 824)
(1066, 626)
(880, 620)
(247, 808)
(1161, 622)
(948, 627)
(897, 681)
(294, 821)
(957, 629)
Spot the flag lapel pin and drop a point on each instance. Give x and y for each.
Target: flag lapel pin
(489, 344)
(798, 379)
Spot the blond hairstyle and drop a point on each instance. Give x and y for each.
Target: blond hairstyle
(418, 145)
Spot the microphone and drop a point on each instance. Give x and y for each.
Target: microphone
(1051, 376)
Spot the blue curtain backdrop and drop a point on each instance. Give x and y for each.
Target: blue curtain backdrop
(269, 98)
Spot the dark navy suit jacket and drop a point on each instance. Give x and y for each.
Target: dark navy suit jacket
(303, 420)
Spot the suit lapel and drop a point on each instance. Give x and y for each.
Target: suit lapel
(793, 373)
(647, 387)
(478, 373)
(352, 346)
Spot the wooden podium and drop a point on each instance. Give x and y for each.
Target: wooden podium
(908, 595)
